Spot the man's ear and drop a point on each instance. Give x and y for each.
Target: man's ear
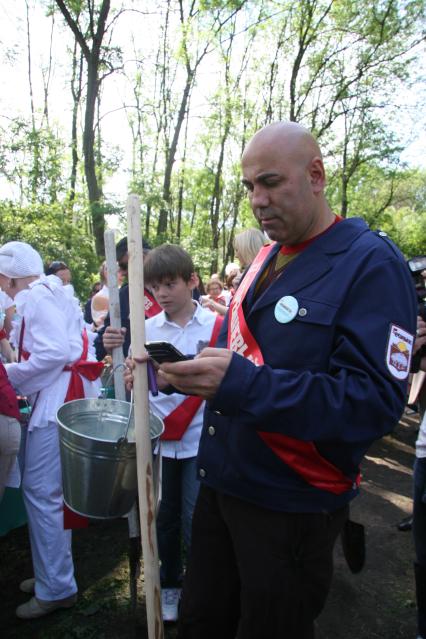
(317, 174)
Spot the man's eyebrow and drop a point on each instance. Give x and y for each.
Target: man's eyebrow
(261, 177)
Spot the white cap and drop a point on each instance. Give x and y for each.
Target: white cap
(18, 259)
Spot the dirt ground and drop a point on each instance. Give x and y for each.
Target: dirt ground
(377, 603)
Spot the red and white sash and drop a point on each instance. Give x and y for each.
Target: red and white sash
(240, 338)
(151, 306)
(177, 422)
(302, 457)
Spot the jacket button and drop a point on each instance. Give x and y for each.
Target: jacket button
(211, 430)
(202, 472)
(303, 312)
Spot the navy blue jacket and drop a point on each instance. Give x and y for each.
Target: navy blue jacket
(325, 378)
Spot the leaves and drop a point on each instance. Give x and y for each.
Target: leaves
(200, 79)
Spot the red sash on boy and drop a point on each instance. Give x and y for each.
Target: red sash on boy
(176, 424)
(300, 456)
(151, 306)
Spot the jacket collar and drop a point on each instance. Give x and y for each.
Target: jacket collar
(310, 265)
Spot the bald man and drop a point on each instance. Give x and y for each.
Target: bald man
(311, 368)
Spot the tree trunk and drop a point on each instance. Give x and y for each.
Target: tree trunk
(93, 188)
(171, 156)
(76, 95)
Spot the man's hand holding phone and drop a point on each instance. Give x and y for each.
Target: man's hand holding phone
(157, 353)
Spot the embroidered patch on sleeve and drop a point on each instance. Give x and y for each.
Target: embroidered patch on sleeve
(398, 351)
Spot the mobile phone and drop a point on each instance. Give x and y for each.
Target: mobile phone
(164, 352)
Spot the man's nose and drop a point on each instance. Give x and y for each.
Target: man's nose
(259, 197)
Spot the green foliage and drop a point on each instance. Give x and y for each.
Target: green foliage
(335, 67)
(34, 159)
(394, 201)
(47, 229)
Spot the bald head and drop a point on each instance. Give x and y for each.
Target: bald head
(286, 138)
(284, 174)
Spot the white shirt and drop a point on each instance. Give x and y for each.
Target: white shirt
(52, 336)
(190, 340)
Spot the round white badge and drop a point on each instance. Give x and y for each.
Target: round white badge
(286, 309)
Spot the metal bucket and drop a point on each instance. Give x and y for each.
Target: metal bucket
(99, 471)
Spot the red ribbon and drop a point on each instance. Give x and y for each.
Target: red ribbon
(176, 424)
(82, 368)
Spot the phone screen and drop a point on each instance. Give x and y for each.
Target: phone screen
(164, 352)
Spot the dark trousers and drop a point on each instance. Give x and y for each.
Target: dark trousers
(255, 573)
(179, 494)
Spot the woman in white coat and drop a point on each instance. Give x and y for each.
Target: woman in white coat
(52, 361)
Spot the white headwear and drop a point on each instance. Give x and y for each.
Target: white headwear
(19, 259)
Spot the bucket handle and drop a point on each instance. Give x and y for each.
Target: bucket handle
(104, 390)
(123, 440)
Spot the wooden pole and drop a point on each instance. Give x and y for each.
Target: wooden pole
(142, 434)
(120, 393)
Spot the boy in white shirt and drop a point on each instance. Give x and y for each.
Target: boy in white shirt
(169, 272)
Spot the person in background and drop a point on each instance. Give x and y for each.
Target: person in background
(87, 313)
(10, 428)
(199, 290)
(53, 367)
(311, 367)
(100, 301)
(61, 270)
(215, 299)
(247, 245)
(231, 271)
(107, 338)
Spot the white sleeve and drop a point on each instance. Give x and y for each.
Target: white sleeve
(46, 336)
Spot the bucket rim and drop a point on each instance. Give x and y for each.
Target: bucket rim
(99, 439)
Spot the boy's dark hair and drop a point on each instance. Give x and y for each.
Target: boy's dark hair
(167, 261)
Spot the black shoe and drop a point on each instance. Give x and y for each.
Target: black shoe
(405, 524)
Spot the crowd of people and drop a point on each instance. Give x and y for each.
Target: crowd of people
(296, 363)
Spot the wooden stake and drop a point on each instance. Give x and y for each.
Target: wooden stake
(120, 393)
(142, 434)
